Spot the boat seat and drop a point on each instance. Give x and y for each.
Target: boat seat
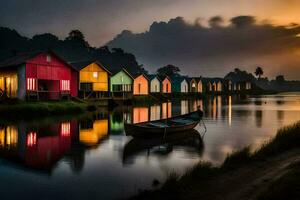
(181, 121)
(157, 124)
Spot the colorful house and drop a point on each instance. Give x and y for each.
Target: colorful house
(121, 84)
(166, 84)
(180, 84)
(155, 84)
(93, 79)
(200, 86)
(193, 85)
(42, 75)
(140, 85)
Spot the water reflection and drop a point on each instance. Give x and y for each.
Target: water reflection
(191, 142)
(93, 150)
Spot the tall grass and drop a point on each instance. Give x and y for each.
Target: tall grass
(287, 138)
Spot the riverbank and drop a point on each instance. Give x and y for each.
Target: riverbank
(271, 172)
(17, 110)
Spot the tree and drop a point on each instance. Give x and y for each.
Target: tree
(168, 70)
(280, 79)
(76, 38)
(259, 72)
(75, 35)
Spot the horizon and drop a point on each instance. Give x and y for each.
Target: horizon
(211, 52)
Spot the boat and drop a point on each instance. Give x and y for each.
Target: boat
(161, 127)
(189, 141)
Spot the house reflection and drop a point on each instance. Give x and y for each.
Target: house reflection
(92, 132)
(140, 114)
(36, 147)
(155, 112)
(166, 110)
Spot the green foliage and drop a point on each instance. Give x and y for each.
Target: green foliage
(259, 72)
(27, 110)
(168, 70)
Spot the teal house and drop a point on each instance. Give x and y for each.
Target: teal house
(121, 83)
(180, 84)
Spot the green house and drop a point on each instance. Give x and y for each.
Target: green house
(121, 84)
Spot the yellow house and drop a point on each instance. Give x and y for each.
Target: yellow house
(93, 79)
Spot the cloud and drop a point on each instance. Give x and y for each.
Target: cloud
(243, 42)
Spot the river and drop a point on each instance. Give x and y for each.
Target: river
(91, 157)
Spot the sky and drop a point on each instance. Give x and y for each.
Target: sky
(102, 20)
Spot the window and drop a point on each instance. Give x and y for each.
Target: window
(48, 58)
(31, 84)
(31, 139)
(139, 88)
(65, 129)
(65, 85)
(122, 79)
(95, 74)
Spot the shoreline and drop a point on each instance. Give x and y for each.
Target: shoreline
(270, 172)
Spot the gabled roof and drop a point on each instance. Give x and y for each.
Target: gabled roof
(115, 71)
(164, 77)
(140, 74)
(82, 64)
(19, 59)
(22, 58)
(153, 76)
(178, 79)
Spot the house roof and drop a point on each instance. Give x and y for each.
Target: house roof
(162, 77)
(19, 59)
(82, 64)
(22, 58)
(153, 76)
(178, 79)
(115, 71)
(140, 74)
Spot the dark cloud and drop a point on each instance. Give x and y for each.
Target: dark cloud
(213, 50)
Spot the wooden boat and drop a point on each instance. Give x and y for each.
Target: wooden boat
(164, 126)
(191, 141)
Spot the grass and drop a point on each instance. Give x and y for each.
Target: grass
(287, 138)
(26, 110)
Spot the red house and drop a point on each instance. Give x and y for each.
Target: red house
(43, 75)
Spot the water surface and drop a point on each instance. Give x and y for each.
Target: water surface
(91, 157)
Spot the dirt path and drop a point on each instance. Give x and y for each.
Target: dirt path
(245, 183)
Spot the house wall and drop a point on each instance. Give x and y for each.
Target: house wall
(166, 84)
(54, 69)
(155, 85)
(200, 87)
(193, 86)
(96, 75)
(121, 78)
(21, 82)
(140, 86)
(184, 86)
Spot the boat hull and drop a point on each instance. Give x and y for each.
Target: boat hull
(142, 130)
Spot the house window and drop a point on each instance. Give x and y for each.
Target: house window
(139, 88)
(31, 84)
(156, 90)
(65, 129)
(31, 139)
(48, 58)
(122, 79)
(95, 74)
(65, 85)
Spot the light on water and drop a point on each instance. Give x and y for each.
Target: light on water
(92, 156)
